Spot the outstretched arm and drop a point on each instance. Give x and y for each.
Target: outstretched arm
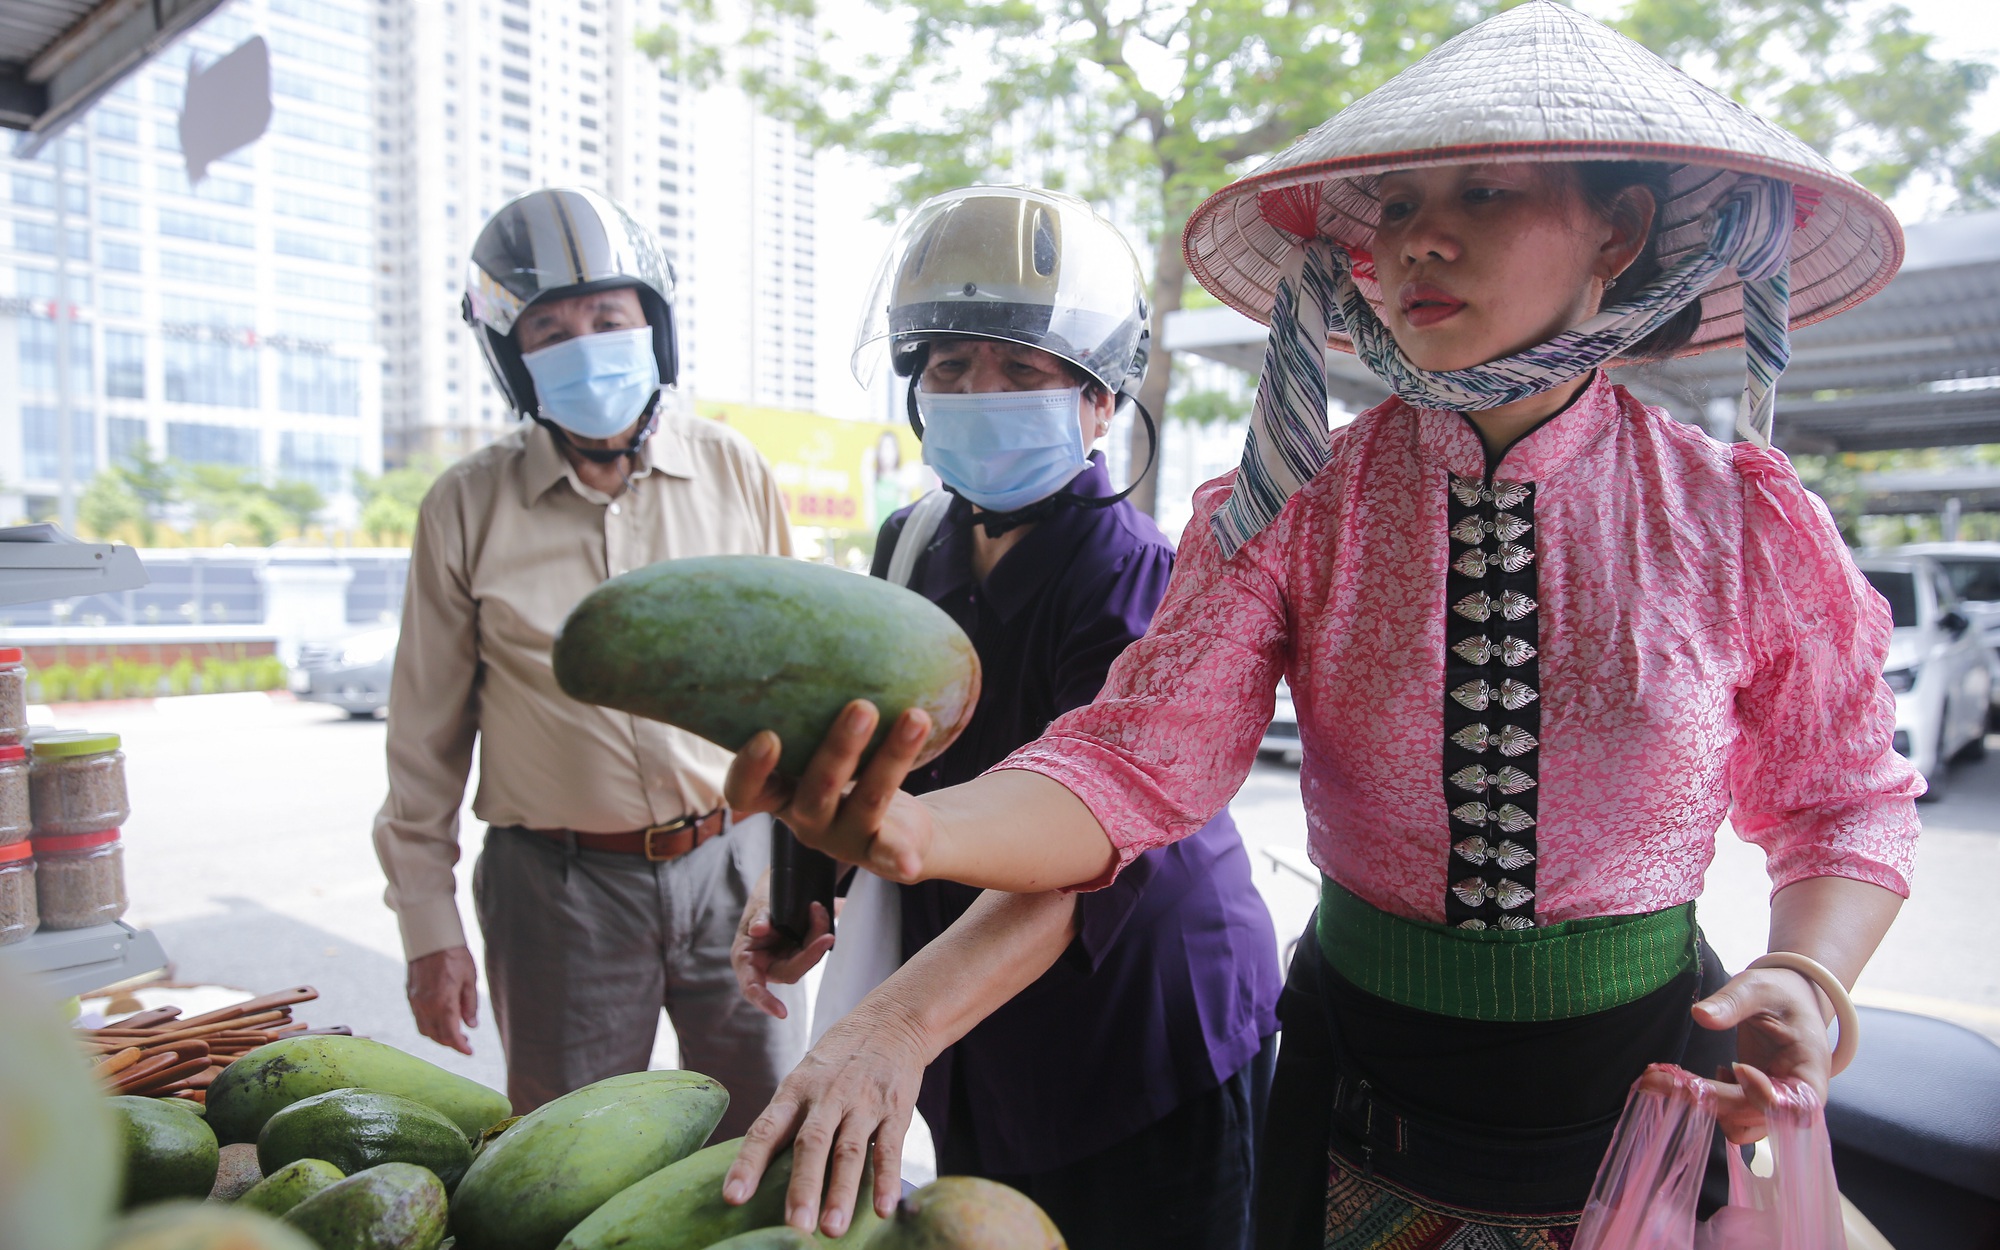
(859, 1084)
(1007, 830)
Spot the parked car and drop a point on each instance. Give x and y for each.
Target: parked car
(1974, 570)
(1282, 737)
(352, 675)
(1938, 665)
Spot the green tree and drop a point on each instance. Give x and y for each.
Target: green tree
(218, 492)
(1151, 105)
(389, 502)
(300, 502)
(109, 505)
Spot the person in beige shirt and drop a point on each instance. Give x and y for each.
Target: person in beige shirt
(611, 877)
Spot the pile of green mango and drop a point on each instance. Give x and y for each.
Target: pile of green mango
(364, 1147)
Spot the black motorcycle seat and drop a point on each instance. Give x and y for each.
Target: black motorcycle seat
(1923, 1094)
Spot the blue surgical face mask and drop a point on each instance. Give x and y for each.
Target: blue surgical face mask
(1004, 449)
(596, 385)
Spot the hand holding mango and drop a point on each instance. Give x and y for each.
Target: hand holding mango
(857, 817)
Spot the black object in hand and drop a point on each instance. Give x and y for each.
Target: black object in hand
(800, 877)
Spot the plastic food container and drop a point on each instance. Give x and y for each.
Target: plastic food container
(79, 879)
(16, 821)
(77, 783)
(13, 695)
(17, 893)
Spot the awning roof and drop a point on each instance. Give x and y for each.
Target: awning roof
(1916, 366)
(58, 56)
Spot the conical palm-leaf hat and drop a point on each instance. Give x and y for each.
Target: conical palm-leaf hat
(1544, 83)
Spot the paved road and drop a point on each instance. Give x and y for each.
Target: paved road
(248, 854)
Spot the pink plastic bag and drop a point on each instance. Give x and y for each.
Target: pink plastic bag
(1644, 1197)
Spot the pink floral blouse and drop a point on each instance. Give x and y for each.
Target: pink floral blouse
(1523, 698)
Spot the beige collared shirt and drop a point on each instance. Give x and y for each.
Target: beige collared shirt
(508, 540)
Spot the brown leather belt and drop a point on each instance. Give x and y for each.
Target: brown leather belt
(659, 843)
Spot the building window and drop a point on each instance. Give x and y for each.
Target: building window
(208, 371)
(115, 124)
(317, 247)
(207, 228)
(36, 344)
(124, 364)
(328, 385)
(112, 211)
(122, 301)
(41, 443)
(173, 178)
(122, 170)
(40, 237)
(125, 440)
(328, 461)
(206, 270)
(33, 191)
(196, 443)
(123, 257)
(314, 207)
(332, 290)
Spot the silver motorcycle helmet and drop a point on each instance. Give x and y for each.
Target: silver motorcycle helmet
(553, 244)
(1018, 264)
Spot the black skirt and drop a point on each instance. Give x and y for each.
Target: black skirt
(1477, 1118)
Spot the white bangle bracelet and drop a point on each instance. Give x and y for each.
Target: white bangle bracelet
(1843, 1006)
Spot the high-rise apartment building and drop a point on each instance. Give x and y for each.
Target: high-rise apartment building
(230, 322)
(482, 100)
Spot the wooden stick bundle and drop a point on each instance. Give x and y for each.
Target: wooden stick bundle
(156, 1053)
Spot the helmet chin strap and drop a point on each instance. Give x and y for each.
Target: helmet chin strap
(998, 523)
(607, 455)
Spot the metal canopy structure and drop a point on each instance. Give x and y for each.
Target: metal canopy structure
(1916, 366)
(58, 56)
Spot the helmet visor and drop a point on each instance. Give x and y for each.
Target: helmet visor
(1010, 263)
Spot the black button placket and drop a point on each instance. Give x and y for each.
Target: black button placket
(1492, 705)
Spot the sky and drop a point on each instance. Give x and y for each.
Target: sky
(851, 242)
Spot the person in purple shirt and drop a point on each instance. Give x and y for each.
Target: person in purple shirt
(1107, 1053)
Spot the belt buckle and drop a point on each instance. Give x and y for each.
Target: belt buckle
(671, 827)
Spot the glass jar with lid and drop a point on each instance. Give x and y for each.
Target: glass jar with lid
(16, 822)
(77, 783)
(79, 879)
(13, 695)
(18, 916)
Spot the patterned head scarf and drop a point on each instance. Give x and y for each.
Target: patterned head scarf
(1748, 230)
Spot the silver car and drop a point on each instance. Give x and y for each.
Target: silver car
(1974, 570)
(352, 675)
(1938, 665)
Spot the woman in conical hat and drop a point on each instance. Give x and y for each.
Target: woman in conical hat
(1542, 640)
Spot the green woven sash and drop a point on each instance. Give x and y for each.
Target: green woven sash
(1553, 972)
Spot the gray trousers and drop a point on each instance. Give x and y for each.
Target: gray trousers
(583, 948)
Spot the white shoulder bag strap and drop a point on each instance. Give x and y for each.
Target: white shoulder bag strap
(870, 930)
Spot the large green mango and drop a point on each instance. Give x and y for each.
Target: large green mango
(564, 1160)
(723, 646)
(397, 1206)
(190, 1225)
(357, 1129)
(168, 1153)
(681, 1207)
(255, 1087)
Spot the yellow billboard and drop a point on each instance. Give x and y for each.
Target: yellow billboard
(843, 475)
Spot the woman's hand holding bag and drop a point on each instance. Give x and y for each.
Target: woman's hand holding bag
(1644, 1197)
